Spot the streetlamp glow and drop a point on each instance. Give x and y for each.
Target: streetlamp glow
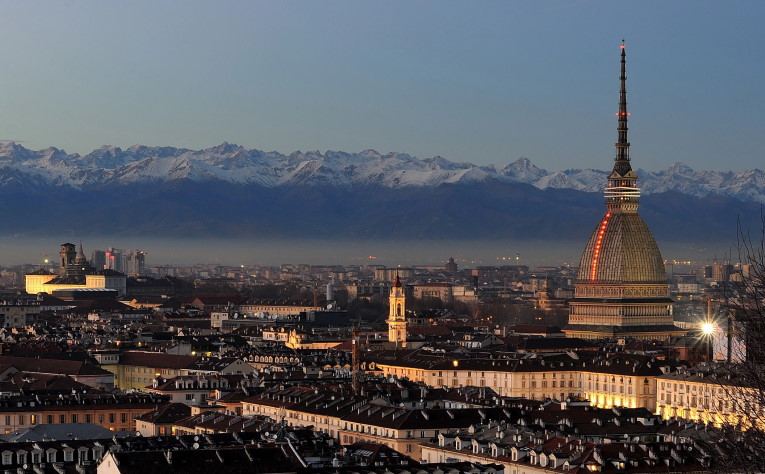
(708, 329)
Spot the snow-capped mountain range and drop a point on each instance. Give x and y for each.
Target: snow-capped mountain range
(111, 165)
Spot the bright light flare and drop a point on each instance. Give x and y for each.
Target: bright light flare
(708, 329)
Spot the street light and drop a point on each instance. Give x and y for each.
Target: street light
(708, 330)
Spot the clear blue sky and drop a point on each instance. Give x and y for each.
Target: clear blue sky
(479, 81)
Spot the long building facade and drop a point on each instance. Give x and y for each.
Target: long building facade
(617, 380)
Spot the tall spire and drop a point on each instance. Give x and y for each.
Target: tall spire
(80, 255)
(622, 145)
(622, 191)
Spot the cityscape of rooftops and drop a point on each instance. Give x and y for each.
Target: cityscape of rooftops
(384, 238)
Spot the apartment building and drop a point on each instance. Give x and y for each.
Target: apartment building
(113, 412)
(713, 394)
(354, 419)
(607, 380)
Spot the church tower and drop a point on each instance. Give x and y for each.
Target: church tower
(80, 265)
(67, 255)
(621, 289)
(397, 314)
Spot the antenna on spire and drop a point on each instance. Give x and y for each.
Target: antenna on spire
(622, 145)
(622, 182)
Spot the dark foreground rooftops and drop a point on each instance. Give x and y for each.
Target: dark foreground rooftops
(233, 460)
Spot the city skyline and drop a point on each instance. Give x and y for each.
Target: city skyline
(484, 84)
(234, 252)
(165, 309)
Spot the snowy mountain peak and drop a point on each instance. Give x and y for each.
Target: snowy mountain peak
(679, 167)
(523, 170)
(110, 165)
(223, 148)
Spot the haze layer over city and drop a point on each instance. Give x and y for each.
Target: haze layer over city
(231, 251)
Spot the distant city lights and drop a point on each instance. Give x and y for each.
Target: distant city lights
(678, 262)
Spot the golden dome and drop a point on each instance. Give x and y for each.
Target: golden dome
(621, 251)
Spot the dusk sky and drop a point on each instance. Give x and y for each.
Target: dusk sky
(480, 81)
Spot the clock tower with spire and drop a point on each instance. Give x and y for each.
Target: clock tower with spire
(397, 314)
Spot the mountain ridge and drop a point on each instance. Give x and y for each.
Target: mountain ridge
(231, 191)
(110, 165)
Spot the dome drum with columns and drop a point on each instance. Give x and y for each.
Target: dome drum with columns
(621, 289)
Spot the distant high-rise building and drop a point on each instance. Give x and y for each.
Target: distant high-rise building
(98, 259)
(135, 263)
(706, 272)
(131, 262)
(722, 271)
(451, 266)
(390, 274)
(621, 289)
(331, 289)
(115, 259)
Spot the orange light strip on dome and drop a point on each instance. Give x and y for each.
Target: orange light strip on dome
(596, 253)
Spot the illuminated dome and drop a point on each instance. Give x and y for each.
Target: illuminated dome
(621, 250)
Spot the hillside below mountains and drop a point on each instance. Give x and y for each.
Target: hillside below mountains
(229, 190)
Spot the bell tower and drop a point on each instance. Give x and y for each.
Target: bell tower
(397, 314)
(67, 255)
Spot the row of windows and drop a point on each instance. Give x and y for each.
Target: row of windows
(532, 376)
(51, 456)
(21, 419)
(693, 401)
(554, 384)
(691, 387)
